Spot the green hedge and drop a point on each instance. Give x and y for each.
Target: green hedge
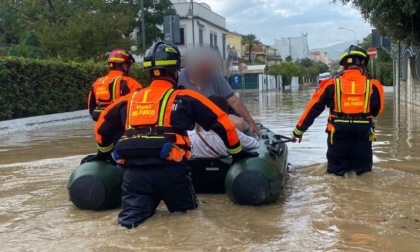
(31, 87)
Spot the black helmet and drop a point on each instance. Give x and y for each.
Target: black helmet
(354, 56)
(162, 55)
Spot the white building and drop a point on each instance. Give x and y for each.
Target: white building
(200, 27)
(296, 47)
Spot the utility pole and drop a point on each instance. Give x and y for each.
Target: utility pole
(143, 32)
(190, 15)
(347, 29)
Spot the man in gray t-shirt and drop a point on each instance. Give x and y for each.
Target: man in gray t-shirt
(201, 76)
(215, 85)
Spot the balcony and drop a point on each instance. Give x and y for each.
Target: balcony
(274, 57)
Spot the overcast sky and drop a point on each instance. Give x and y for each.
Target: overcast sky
(273, 19)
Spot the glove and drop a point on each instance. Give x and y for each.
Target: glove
(296, 136)
(295, 139)
(100, 156)
(243, 155)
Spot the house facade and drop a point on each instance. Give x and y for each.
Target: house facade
(263, 53)
(201, 27)
(295, 47)
(321, 56)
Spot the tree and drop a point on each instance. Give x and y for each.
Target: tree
(289, 59)
(83, 29)
(154, 12)
(29, 47)
(310, 69)
(287, 70)
(382, 65)
(399, 20)
(250, 40)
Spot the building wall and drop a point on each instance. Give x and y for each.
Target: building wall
(408, 90)
(261, 82)
(264, 53)
(200, 10)
(235, 39)
(320, 56)
(209, 27)
(296, 47)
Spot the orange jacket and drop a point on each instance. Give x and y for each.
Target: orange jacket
(325, 96)
(104, 92)
(136, 113)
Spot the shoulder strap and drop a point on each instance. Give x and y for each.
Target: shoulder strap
(367, 95)
(338, 95)
(205, 142)
(163, 106)
(114, 87)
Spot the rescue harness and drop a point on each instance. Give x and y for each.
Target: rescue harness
(147, 134)
(351, 114)
(106, 94)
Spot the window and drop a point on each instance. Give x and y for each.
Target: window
(213, 40)
(224, 46)
(182, 36)
(200, 37)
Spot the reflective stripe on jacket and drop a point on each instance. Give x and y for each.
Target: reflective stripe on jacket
(325, 94)
(109, 88)
(144, 114)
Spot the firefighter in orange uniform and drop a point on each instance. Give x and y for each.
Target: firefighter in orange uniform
(354, 99)
(115, 84)
(155, 145)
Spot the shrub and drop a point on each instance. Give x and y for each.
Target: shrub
(31, 87)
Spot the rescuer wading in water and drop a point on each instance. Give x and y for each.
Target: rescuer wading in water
(115, 84)
(155, 145)
(354, 99)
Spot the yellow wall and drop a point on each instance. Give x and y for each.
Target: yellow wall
(235, 40)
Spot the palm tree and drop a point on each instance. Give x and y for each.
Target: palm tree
(250, 40)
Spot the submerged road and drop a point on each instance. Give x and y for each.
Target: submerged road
(379, 211)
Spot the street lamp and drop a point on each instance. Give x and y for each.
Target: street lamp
(342, 40)
(190, 15)
(355, 40)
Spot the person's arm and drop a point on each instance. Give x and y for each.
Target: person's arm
(226, 91)
(320, 99)
(133, 85)
(91, 101)
(128, 85)
(111, 121)
(238, 122)
(377, 99)
(242, 111)
(210, 117)
(247, 142)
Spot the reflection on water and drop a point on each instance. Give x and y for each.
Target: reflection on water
(379, 211)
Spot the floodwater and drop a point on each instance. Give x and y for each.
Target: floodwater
(379, 211)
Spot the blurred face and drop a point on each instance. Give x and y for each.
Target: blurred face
(203, 69)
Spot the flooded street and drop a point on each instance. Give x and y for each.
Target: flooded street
(379, 211)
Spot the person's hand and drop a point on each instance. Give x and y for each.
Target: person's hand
(295, 139)
(243, 155)
(100, 156)
(253, 129)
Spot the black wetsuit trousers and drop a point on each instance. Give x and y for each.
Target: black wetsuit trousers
(349, 153)
(144, 187)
